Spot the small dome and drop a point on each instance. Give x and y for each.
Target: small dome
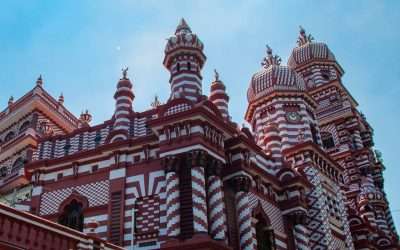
(273, 77)
(308, 50)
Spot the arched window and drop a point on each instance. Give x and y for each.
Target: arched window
(327, 140)
(178, 67)
(72, 215)
(264, 235)
(188, 66)
(9, 136)
(18, 164)
(24, 126)
(3, 171)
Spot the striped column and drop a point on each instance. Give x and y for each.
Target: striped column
(216, 206)
(300, 235)
(123, 107)
(200, 223)
(172, 199)
(246, 233)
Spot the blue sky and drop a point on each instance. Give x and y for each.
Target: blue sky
(80, 47)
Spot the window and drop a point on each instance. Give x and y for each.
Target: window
(9, 136)
(178, 67)
(325, 74)
(72, 216)
(188, 66)
(24, 126)
(18, 164)
(327, 140)
(3, 171)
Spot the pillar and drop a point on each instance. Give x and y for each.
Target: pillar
(172, 197)
(216, 206)
(200, 221)
(246, 237)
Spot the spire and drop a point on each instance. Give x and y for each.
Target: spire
(125, 74)
(39, 81)
(183, 27)
(270, 59)
(61, 99)
(216, 76)
(303, 37)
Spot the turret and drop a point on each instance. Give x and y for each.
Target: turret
(184, 59)
(280, 111)
(314, 61)
(123, 107)
(219, 97)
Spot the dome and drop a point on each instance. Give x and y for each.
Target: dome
(183, 39)
(308, 50)
(273, 77)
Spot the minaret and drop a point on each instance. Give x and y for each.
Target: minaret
(123, 107)
(218, 96)
(184, 59)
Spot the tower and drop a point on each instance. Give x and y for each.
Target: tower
(184, 59)
(280, 112)
(347, 138)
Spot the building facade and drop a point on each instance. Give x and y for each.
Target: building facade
(183, 175)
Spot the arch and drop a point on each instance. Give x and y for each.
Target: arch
(9, 136)
(24, 126)
(17, 165)
(71, 211)
(383, 242)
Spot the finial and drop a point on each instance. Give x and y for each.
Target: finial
(61, 99)
(156, 102)
(303, 37)
(10, 100)
(183, 27)
(270, 59)
(125, 73)
(216, 75)
(85, 117)
(39, 81)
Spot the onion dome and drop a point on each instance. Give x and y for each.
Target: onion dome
(307, 50)
(273, 77)
(218, 96)
(183, 39)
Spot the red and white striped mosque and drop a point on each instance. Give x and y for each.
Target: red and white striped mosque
(182, 175)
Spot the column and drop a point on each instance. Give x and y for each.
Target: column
(242, 185)
(216, 206)
(172, 197)
(200, 223)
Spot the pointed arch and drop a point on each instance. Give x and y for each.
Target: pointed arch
(71, 211)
